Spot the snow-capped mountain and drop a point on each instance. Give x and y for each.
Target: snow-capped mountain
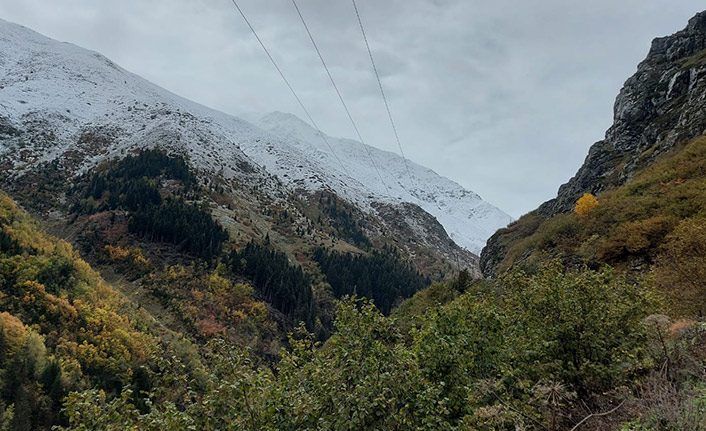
(47, 85)
(467, 218)
(62, 102)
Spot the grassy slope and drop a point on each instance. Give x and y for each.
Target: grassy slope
(630, 224)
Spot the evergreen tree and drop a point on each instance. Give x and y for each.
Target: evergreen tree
(280, 283)
(380, 275)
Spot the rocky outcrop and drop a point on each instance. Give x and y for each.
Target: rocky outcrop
(7, 129)
(661, 106)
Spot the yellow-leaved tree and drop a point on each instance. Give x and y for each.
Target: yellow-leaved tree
(585, 205)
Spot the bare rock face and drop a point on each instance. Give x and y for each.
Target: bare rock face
(662, 105)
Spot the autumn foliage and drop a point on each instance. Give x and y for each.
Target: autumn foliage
(585, 205)
(630, 225)
(62, 328)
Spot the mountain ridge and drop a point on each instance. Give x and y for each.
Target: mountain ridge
(466, 217)
(46, 87)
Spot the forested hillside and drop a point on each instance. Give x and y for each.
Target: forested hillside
(62, 328)
(282, 284)
(381, 276)
(544, 351)
(549, 352)
(134, 183)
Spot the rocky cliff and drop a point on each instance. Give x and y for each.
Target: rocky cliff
(660, 107)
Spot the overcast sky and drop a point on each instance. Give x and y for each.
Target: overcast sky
(502, 96)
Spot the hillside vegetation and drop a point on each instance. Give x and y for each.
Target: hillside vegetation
(136, 183)
(593, 320)
(540, 352)
(381, 276)
(62, 328)
(656, 221)
(465, 356)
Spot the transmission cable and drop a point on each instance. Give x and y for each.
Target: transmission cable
(340, 96)
(382, 92)
(286, 81)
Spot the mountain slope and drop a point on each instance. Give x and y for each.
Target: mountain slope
(468, 219)
(61, 327)
(657, 115)
(48, 85)
(79, 108)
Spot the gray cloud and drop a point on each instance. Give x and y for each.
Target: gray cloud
(504, 97)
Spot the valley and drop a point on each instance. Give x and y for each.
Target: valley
(166, 266)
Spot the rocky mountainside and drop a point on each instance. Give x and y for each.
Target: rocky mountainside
(660, 108)
(661, 105)
(69, 109)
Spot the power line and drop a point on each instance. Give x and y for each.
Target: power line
(338, 92)
(384, 97)
(286, 81)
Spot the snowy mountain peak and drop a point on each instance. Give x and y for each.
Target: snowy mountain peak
(468, 219)
(289, 126)
(77, 104)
